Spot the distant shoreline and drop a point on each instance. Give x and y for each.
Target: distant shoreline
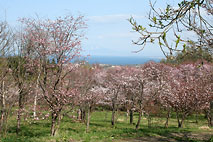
(119, 60)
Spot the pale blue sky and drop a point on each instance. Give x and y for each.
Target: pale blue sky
(108, 34)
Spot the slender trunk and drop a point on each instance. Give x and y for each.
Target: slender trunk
(139, 120)
(5, 124)
(140, 104)
(131, 116)
(54, 123)
(83, 115)
(210, 124)
(3, 110)
(211, 114)
(180, 123)
(127, 113)
(19, 112)
(113, 114)
(180, 120)
(36, 96)
(79, 114)
(167, 119)
(88, 119)
(1, 121)
(34, 107)
(207, 116)
(18, 121)
(60, 117)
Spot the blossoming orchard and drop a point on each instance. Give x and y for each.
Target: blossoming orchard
(40, 83)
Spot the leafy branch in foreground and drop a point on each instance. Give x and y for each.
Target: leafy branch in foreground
(167, 25)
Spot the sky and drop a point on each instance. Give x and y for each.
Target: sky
(108, 34)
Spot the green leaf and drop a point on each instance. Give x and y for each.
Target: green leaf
(203, 31)
(160, 22)
(168, 9)
(190, 42)
(177, 41)
(184, 48)
(141, 28)
(154, 19)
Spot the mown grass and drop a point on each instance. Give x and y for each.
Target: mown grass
(102, 131)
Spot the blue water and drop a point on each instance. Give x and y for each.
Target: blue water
(116, 60)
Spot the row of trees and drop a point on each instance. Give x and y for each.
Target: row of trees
(150, 89)
(183, 89)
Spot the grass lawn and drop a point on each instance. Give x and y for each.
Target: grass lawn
(102, 131)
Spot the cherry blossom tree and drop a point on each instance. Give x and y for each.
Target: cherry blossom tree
(113, 93)
(129, 90)
(6, 41)
(187, 82)
(22, 78)
(205, 87)
(89, 91)
(9, 98)
(149, 84)
(58, 39)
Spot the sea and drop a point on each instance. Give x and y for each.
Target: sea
(120, 60)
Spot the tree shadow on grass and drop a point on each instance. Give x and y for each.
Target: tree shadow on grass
(97, 124)
(161, 134)
(71, 129)
(27, 133)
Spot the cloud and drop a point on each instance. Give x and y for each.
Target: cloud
(113, 18)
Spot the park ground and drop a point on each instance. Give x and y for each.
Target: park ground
(101, 130)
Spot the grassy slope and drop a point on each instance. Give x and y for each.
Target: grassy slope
(101, 130)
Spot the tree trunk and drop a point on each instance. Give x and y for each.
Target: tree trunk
(60, 117)
(54, 123)
(127, 114)
(131, 116)
(34, 107)
(79, 114)
(139, 120)
(18, 121)
(167, 119)
(180, 123)
(3, 110)
(211, 114)
(113, 114)
(210, 124)
(83, 115)
(36, 96)
(180, 120)
(88, 119)
(20, 109)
